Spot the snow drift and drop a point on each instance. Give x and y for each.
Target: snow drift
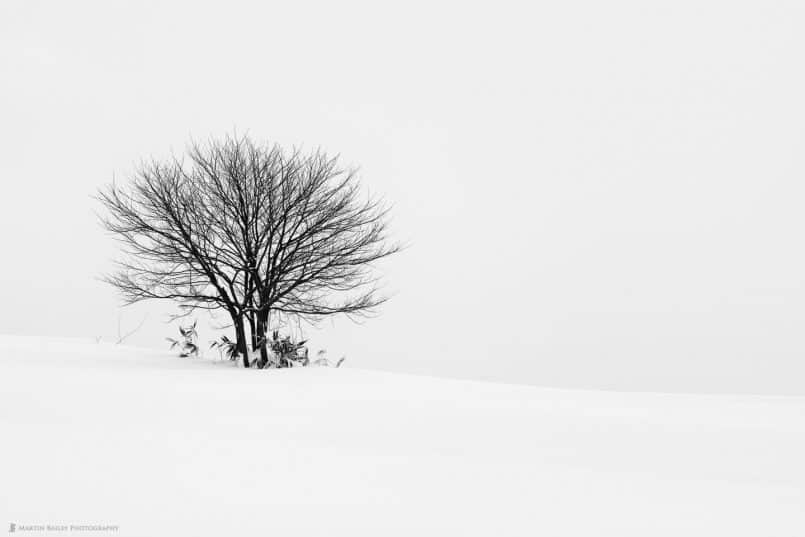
(96, 434)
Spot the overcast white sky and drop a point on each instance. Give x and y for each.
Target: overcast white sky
(597, 194)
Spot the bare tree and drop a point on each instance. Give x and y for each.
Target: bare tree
(252, 230)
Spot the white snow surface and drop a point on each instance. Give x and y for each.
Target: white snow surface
(158, 445)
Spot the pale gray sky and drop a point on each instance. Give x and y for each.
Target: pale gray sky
(597, 194)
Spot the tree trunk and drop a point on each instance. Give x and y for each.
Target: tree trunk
(262, 327)
(252, 330)
(243, 346)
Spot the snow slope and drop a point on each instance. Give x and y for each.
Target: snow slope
(99, 434)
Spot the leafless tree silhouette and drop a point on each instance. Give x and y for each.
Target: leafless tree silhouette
(250, 229)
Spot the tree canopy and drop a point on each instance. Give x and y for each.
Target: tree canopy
(250, 229)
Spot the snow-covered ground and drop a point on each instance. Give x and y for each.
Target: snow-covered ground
(157, 445)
